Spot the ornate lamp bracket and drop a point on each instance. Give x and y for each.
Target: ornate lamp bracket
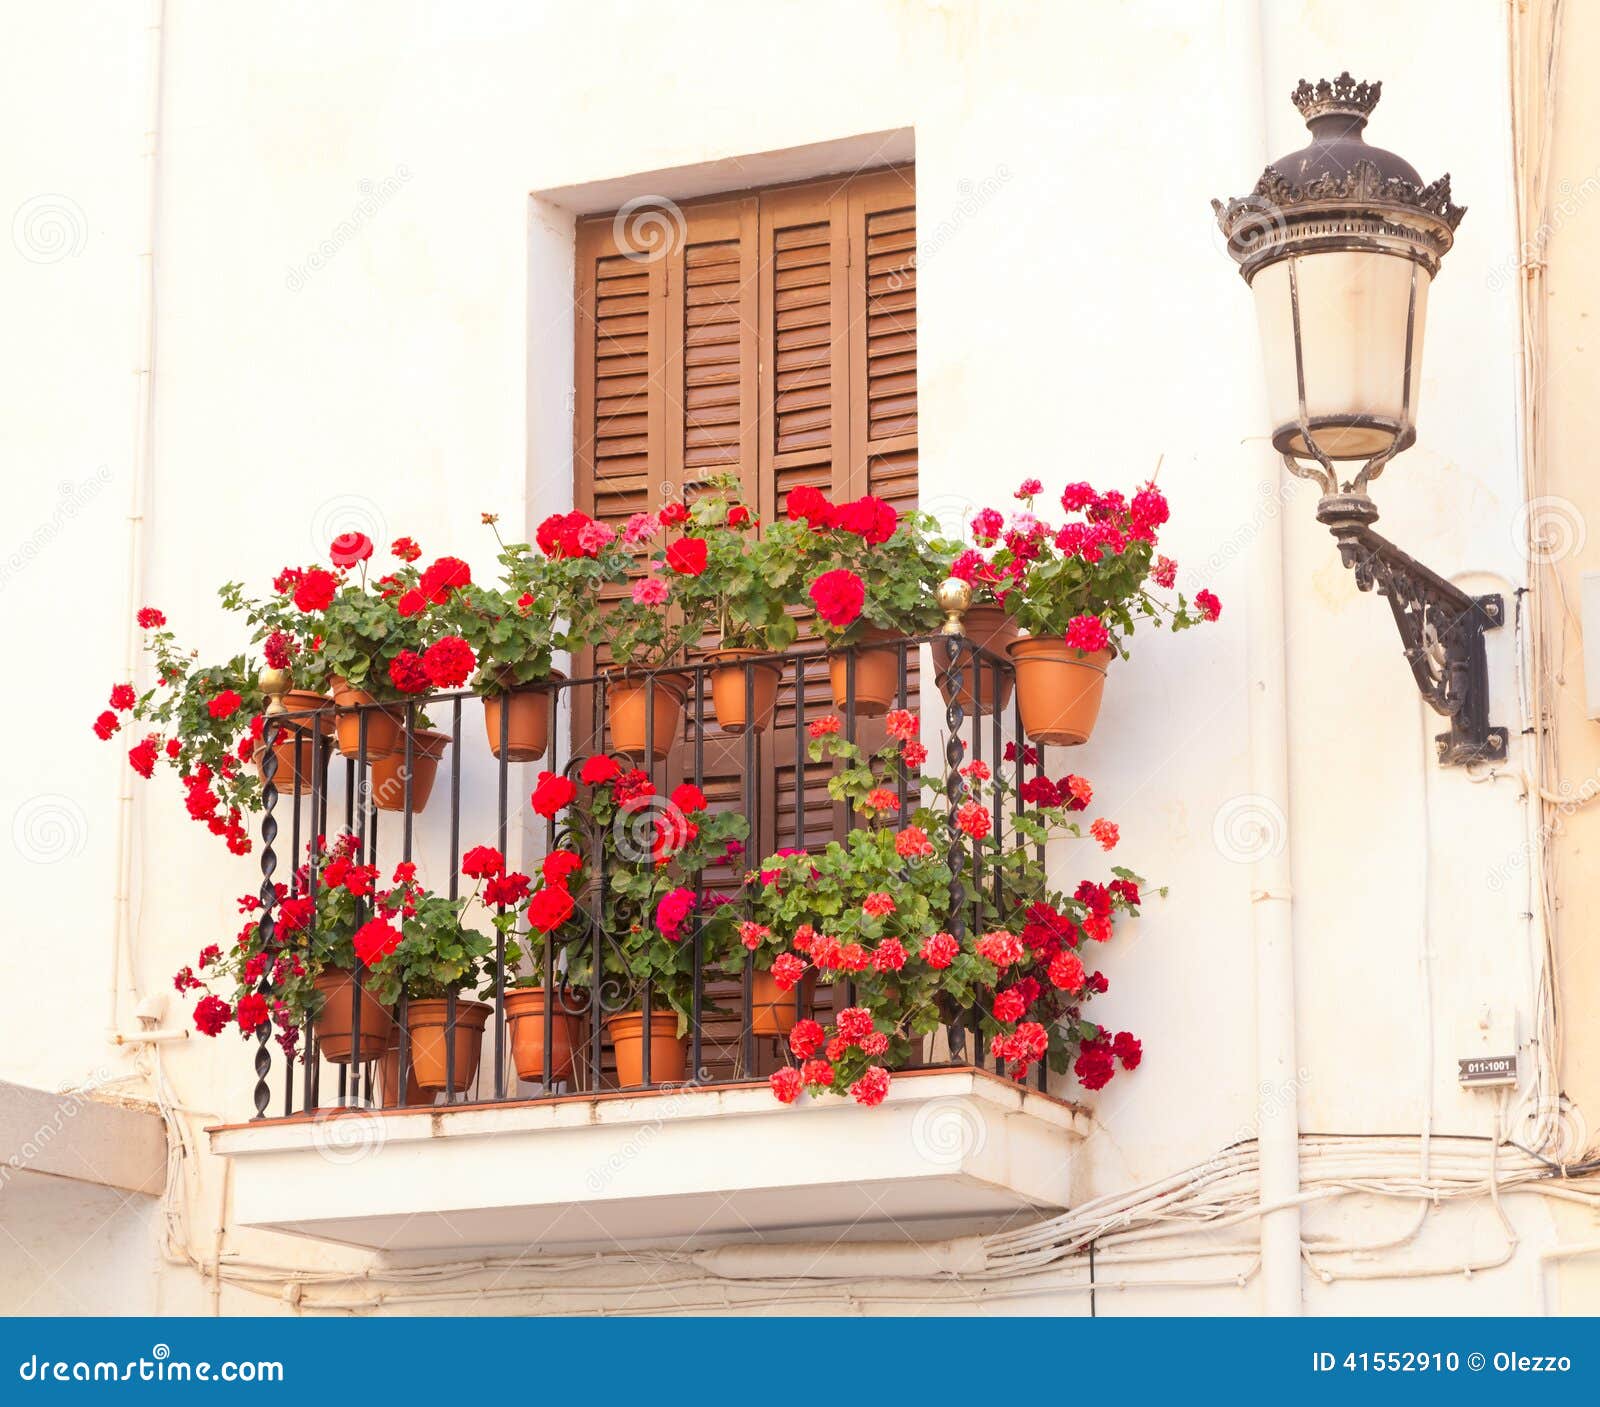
(1441, 628)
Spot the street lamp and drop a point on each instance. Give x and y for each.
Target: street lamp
(1339, 244)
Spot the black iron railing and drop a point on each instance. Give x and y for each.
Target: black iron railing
(321, 790)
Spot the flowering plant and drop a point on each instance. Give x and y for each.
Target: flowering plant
(311, 933)
(878, 909)
(202, 721)
(1085, 581)
(652, 851)
(866, 564)
(588, 565)
(517, 627)
(416, 943)
(750, 587)
(377, 636)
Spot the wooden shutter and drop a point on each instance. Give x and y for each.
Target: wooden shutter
(773, 337)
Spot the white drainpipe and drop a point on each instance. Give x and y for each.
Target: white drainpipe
(1271, 895)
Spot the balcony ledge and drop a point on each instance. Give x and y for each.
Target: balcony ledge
(949, 1151)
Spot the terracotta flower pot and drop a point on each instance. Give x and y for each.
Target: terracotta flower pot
(877, 674)
(389, 1082)
(425, 1021)
(301, 700)
(631, 698)
(389, 773)
(296, 763)
(772, 1008)
(729, 696)
(528, 708)
(992, 629)
(385, 727)
(527, 1014)
(332, 1024)
(1058, 689)
(669, 1052)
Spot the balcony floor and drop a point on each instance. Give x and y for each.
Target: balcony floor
(949, 1150)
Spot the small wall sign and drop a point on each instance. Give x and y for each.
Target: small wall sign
(1488, 1070)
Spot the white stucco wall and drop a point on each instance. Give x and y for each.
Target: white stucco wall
(1082, 321)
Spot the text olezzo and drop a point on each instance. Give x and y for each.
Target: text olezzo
(1411, 1361)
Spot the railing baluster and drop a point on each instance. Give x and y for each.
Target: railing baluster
(698, 996)
(269, 901)
(600, 729)
(499, 935)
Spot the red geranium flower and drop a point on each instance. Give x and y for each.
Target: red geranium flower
(375, 940)
(211, 1014)
(869, 518)
(251, 1012)
(411, 603)
(808, 504)
(315, 590)
(785, 1084)
(105, 725)
(806, 1038)
(598, 770)
(405, 549)
(349, 548)
(688, 797)
(560, 865)
(448, 661)
(143, 757)
(674, 513)
(817, 1072)
(550, 907)
(872, 1087)
(408, 673)
(839, 596)
(1105, 832)
(1209, 606)
(225, 705)
(787, 970)
(940, 950)
(444, 576)
(552, 793)
(973, 818)
(738, 516)
(482, 862)
(152, 619)
(122, 696)
(687, 556)
(878, 905)
(676, 905)
(1087, 633)
(506, 890)
(1066, 972)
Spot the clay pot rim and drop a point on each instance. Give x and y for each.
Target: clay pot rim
(425, 1005)
(875, 638)
(1069, 654)
(636, 1018)
(673, 681)
(520, 994)
(726, 654)
(532, 686)
(439, 741)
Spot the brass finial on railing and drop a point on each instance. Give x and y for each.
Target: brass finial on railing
(274, 684)
(954, 597)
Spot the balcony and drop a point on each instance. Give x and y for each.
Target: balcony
(626, 1156)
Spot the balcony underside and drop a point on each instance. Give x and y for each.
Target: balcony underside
(949, 1151)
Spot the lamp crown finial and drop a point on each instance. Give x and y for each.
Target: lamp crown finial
(1341, 96)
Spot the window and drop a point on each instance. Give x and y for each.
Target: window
(772, 335)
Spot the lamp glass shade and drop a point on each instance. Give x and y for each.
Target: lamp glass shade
(1358, 346)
